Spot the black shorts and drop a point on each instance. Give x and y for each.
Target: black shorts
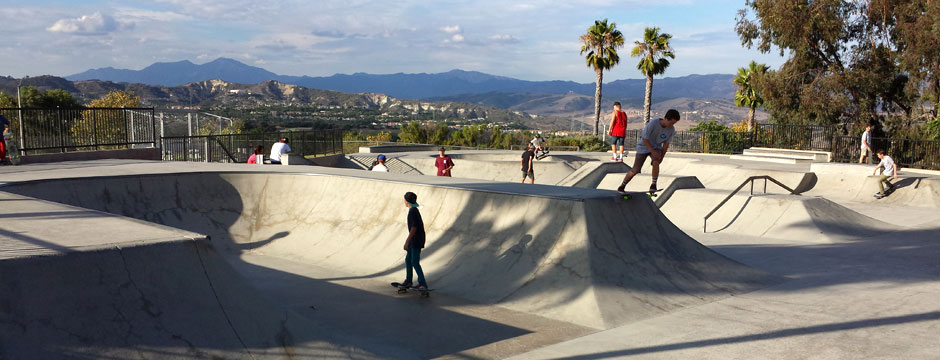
(616, 140)
(638, 161)
(530, 174)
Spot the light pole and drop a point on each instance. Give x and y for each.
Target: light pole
(19, 111)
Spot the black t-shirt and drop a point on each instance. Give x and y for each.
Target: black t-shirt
(526, 159)
(414, 220)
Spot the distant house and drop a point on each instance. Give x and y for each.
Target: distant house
(238, 91)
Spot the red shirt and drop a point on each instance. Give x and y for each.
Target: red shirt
(442, 163)
(619, 128)
(253, 159)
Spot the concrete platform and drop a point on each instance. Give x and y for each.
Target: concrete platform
(300, 257)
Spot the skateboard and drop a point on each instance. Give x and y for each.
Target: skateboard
(403, 289)
(651, 194)
(887, 193)
(544, 155)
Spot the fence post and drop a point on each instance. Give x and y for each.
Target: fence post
(58, 116)
(127, 138)
(153, 127)
(94, 127)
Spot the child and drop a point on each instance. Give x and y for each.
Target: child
(257, 157)
(537, 143)
(655, 142)
(379, 164)
(618, 131)
(443, 163)
(527, 164)
(887, 164)
(414, 243)
(866, 146)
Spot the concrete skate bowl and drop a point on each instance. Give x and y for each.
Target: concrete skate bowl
(571, 259)
(787, 217)
(503, 165)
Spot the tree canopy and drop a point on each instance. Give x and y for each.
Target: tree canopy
(847, 62)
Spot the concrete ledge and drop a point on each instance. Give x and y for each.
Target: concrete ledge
(379, 149)
(133, 154)
(822, 156)
(770, 158)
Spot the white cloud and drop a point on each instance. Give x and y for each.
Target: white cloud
(94, 24)
(456, 38)
(504, 38)
(451, 29)
(150, 15)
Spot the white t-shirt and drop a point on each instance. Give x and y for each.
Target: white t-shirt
(888, 164)
(380, 168)
(866, 139)
(279, 149)
(537, 142)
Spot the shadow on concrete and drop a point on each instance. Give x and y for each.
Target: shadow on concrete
(784, 333)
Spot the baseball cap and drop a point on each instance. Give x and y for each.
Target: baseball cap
(381, 157)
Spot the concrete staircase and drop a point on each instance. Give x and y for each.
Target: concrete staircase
(783, 156)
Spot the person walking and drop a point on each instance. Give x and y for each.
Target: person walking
(527, 157)
(618, 132)
(443, 163)
(278, 149)
(654, 144)
(257, 156)
(380, 164)
(887, 166)
(414, 243)
(866, 146)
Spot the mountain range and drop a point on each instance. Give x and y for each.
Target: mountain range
(454, 83)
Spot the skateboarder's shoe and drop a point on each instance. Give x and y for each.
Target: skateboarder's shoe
(879, 195)
(653, 188)
(420, 287)
(613, 158)
(406, 283)
(620, 189)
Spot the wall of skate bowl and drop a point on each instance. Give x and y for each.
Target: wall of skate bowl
(546, 172)
(573, 259)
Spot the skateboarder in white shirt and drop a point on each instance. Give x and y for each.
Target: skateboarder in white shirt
(888, 167)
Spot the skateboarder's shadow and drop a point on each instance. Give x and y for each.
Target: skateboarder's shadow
(907, 181)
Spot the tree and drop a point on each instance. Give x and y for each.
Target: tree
(600, 42)
(849, 62)
(413, 133)
(747, 94)
(709, 126)
(652, 51)
(7, 101)
(49, 99)
(117, 99)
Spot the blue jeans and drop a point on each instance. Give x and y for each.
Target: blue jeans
(413, 260)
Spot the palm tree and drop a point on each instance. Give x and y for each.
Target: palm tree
(747, 94)
(653, 51)
(600, 42)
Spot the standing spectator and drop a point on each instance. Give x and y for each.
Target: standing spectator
(888, 167)
(866, 146)
(527, 157)
(618, 132)
(380, 164)
(257, 157)
(443, 163)
(4, 124)
(279, 148)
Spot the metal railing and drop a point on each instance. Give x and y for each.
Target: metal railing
(797, 137)
(735, 191)
(238, 147)
(40, 130)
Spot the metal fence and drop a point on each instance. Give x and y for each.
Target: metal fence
(922, 154)
(797, 137)
(75, 129)
(236, 148)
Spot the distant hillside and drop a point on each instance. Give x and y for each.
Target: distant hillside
(454, 84)
(218, 93)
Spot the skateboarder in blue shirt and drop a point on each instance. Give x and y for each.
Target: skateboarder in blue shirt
(414, 243)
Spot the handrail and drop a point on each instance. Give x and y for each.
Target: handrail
(749, 180)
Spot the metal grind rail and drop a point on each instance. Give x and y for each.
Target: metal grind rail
(735, 191)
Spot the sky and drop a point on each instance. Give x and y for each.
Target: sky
(524, 39)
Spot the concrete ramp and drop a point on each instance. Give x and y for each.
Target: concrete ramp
(89, 285)
(591, 174)
(789, 217)
(590, 258)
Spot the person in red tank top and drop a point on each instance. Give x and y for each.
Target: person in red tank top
(618, 132)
